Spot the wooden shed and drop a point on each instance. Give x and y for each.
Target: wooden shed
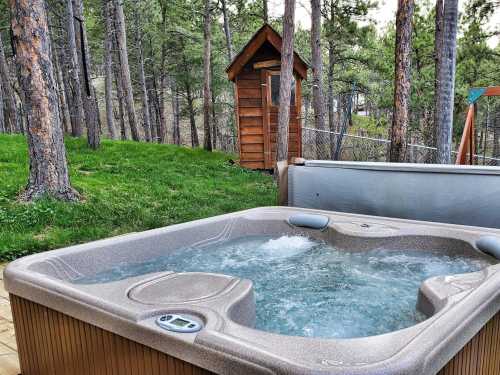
(255, 72)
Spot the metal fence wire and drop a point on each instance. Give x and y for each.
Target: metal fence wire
(322, 145)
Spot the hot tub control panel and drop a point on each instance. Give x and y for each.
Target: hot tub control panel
(178, 323)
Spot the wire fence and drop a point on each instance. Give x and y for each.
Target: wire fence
(326, 145)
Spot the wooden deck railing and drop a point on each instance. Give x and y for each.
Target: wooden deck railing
(467, 147)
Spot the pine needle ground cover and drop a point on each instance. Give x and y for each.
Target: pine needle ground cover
(128, 187)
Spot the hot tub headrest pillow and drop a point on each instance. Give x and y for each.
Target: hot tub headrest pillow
(309, 221)
(489, 245)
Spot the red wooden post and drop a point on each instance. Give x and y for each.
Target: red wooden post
(466, 137)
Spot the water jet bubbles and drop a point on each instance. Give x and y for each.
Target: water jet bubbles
(287, 246)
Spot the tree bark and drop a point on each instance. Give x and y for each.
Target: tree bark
(66, 83)
(176, 135)
(438, 50)
(10, 113)
(230, 56)
(89, 103)
(192, 119)
(331, 67)
(95, 102)
(286, 76)
(227, 32)
(120, 96)
(207, 94)
(2, 118)
(331, 99)
(77, 122)
(215, 124)
(153, 97)
(146, 123)
(446, 90)
(265, 11)
(402, 81)
(108, 67)
(48, 173)
(162, 129)
(65, 114)
(496, 135)
(317, 70)
(152, 109)
(121, 37)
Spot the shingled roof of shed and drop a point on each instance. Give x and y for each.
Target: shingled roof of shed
(265, 34)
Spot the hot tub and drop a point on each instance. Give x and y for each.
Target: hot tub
(373, 296)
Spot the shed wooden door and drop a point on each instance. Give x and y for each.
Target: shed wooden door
(270, 104)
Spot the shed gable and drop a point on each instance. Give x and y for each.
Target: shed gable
(265, 41)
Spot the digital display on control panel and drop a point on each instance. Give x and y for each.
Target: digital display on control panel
(179, 322)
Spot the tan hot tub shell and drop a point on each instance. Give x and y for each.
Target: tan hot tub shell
(68, 328)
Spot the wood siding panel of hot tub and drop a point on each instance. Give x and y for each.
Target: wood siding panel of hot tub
(250, 119)
(52, 343)
(481, 355)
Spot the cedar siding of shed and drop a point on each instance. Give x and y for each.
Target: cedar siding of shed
(251, 71)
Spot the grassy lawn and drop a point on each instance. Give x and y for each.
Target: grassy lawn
(128, 187)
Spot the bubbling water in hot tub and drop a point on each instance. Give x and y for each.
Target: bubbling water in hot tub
(306, 287)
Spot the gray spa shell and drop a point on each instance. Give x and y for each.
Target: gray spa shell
(458, 305)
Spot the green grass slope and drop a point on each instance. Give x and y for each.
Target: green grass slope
(127, 186)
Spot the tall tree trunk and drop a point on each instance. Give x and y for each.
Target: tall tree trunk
(66, 83)
(438, 50)
(215, 124)
(95, 103)
(153, 97)
(227, 32)
(11, 120)
(89, 104)
(331, 99)
(402, 81)
(162, 130)
(160, 112)
(265, 11)
(207, 95)
(192, 119)
(146, 123)
(160, 92)
(108, 67)
(286, 76)
(48, 173)
(317, 70)
(121, 101)
(153, 108)
(176, 135)
(331, 67)
(121, 37)
(65, 115)
(77, 122)
(446, 94)
(230, 56)
(496, 135)
(178, 140)
(2, 115)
